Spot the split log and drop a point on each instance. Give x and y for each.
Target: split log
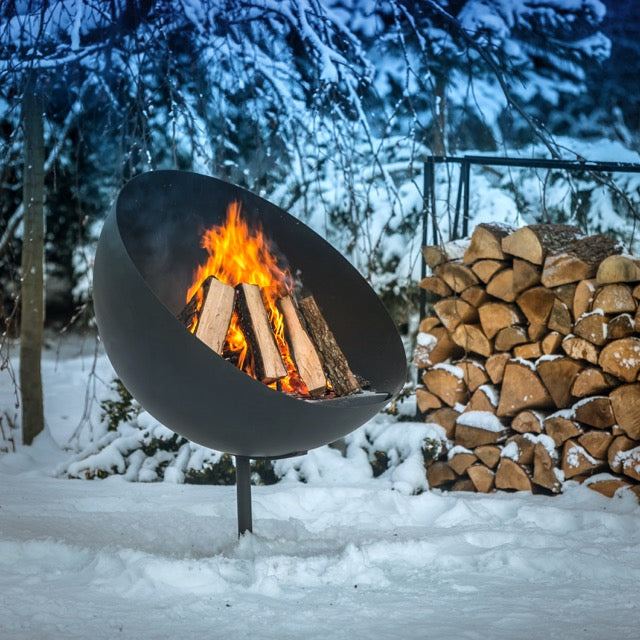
(551, 343)
(525, 275)
(510, 475)
(595, 411)
(606, 486)
(591, 381)
(488, 454)
(593, 327)
(544, 470)
(484, 398)
(578, 261)
(457, 276)
(557, 375)
(536, 331)
(471, 338)
(583, 297)
(621, 358)
(501, 286)
(498, 315)
(303, 351)
(495, 365)
(436, 286)
(577, 461)
(509, 337)
(528, 351)
(477, 428)
(580, 349)
(636, 292)
(254, 322)
(426, 400)
(214, 319)
(439, 474)
(475, 295)
(524, 445)
(474, 373)
(486, 242)
(463, 484)
(528, 422)
(435, 255)
(566, 293)
(335, 364)
(461, 461)
(535, 242)
(560, 318)
(620, 326)
(454, 311)
(625, 402)
(560, 428)
(596, 443)
(619, 268)
(522, 389)
(434, 346)
(619, 445)
(446, 381)
(486, 269)
(445, 418)
(614, 298)
(536, 304)
(428, 323)
(483, 478)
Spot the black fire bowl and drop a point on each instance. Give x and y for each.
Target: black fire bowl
(146, 256)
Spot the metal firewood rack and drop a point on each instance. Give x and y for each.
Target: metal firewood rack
(461, 210)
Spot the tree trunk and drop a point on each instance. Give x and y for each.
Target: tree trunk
(32, 289)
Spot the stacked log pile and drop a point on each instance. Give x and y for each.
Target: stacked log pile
(530, 361)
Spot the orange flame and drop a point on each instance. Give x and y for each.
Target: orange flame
(236, 255)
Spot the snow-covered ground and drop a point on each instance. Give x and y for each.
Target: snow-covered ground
(342, 559)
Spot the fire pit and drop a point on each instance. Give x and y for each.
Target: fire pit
(149, 250)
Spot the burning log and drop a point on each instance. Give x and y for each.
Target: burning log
(215, 314)
(336, 366)
(304, 353)
(269, 366)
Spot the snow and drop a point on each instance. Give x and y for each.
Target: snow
(511, 451)
(450, 368)
(481, 420)
(335, 553)
(546, 441)
(491, 393)
(426, 340)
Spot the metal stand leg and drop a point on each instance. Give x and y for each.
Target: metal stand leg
(243, 494)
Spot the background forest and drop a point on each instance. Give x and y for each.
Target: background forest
(326, 107)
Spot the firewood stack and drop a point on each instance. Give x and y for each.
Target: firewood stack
(531, 360)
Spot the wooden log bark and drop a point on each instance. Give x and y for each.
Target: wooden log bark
(303, 351)
(486, 242)
(257, 330)
(578, 261)
(621, 358)
(335, 364)
(522, 389)
(535, 242)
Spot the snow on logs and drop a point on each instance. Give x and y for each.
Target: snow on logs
(530, 361)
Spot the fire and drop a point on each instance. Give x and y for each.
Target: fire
(239, 254)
